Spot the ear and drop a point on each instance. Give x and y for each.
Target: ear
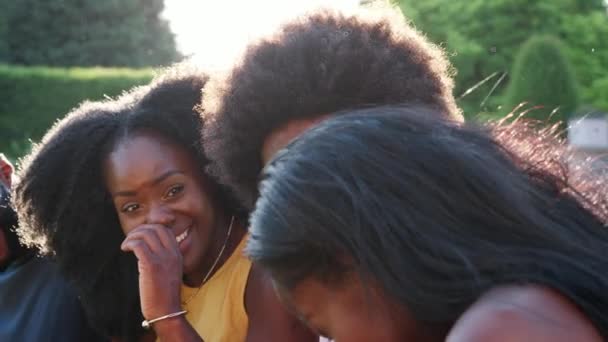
(6, 171)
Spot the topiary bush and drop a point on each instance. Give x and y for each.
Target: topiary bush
(543, 77)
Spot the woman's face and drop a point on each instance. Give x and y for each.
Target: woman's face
(351, 312)
(155, 181)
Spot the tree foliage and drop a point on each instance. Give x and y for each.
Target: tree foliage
(89, 32)
(543, 77)
(483, 37)
(4, 10)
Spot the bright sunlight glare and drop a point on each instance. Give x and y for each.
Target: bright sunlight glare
(214, 32)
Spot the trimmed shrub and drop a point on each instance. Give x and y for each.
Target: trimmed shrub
(33, 98)
(543, 77)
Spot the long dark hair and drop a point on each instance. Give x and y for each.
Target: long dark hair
(437, 212)
(65, 208)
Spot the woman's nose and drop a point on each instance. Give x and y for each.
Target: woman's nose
(161, 215)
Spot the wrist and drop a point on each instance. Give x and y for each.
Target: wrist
(175, 329)
(151, 312)
(170, 326)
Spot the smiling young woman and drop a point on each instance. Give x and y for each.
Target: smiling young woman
(118, 193)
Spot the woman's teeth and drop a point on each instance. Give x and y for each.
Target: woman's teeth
(182, 236)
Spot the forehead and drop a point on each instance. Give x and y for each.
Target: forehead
(312, 296)
(144, 155)
(283, 135)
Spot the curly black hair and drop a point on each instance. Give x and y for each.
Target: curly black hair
(65, 209)
(317, 64)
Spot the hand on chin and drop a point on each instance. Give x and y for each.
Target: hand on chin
(160, 266)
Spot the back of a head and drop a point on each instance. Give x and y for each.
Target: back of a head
(436, 212)
(65, 207)
(318, 64)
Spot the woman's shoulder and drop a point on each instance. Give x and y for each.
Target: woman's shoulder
(523, 313)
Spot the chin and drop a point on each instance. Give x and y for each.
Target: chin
(190, 265)
(187, 268)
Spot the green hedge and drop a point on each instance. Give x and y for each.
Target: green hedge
(33, 98)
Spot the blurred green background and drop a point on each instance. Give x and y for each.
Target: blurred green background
(550, 55)
(485, 37)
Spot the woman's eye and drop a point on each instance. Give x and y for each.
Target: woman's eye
(174, 191)
(129, 208)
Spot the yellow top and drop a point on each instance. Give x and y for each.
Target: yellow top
(217, 311)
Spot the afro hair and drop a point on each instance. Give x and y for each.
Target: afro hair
(320, 63)
(63, 205)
